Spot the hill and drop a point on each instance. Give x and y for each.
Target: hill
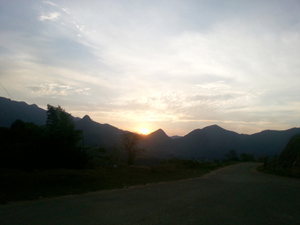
(208, 143)
(157, 145)
(95, 133)
(214, 142)
(13, 110)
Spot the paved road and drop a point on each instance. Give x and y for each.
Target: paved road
(232, 195)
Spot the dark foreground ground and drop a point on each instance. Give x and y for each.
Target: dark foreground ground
(232, 195)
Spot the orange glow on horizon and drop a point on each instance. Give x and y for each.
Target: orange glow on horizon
(144, 131)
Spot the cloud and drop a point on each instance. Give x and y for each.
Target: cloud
(184, 64)
(54, 16)
(66, 10)
(58, 90)
(50, 3)
(173, 106)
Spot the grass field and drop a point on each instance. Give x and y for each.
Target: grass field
(16, 185)
(287, 172)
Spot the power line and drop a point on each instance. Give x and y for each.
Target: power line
(7, 92)
(27, 117)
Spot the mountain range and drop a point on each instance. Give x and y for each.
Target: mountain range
(208, 143)
(214, 142)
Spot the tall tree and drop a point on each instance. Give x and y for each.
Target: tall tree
(63, 139)
(130, 145)
(60, 126)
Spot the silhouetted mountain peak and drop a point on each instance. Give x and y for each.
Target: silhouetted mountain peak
(213, 128)
(158, 135)
(86, 118)
(210, 142)
(12, 110)
(213, 131)
(34, 105)
(94, 133)
(159, 132)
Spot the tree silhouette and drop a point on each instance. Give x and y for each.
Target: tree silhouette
(247, 157)
(130, 144)
(290, 156)
(60, 125)
(232, 156)
(55, 145)
(62, 140)
(21, 145)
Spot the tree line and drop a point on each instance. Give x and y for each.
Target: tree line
(57, 144)
(288, 161)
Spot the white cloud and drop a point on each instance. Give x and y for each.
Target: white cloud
(54, 16)
(66, 10)
(58, 90)
(171, 62)
(50, 3)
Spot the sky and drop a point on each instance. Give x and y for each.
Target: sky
(177, 65)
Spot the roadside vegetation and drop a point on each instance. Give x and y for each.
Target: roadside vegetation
(287, 163)
(17, 185)
(46, 161)
(28, 146)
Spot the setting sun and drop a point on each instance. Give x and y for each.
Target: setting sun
(143, 131)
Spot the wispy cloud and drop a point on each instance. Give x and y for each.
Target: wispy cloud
(50, 3)
(57, 90)
(54, 16)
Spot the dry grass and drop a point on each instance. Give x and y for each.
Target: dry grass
(287, 172)
(16, 185)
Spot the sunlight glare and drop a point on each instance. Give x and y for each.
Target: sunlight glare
(143, 131)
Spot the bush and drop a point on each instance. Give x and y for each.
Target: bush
(290, 156)
(247, 157)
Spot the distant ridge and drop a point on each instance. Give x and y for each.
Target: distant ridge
(175, 137)
(158, 136)
(94, 133)
(103, 135)
(208, 143)
(157, 144)
(87, 118)
(13, 110)
(214, 142)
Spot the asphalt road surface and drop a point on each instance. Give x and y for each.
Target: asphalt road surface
(232, 195)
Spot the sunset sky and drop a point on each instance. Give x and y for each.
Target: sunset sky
(175, 65)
